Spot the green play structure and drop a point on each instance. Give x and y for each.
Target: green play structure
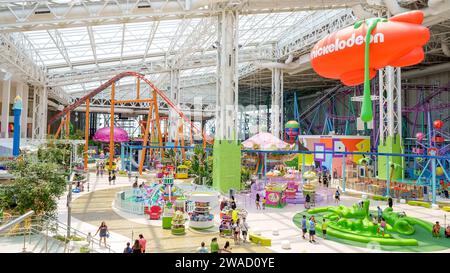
(357, 225)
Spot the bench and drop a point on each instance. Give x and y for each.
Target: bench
(258, 239)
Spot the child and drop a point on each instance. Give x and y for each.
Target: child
(382, 226)
(324, 228)
(304, 226)
(264, 202)
(312, 229)
(257, 201)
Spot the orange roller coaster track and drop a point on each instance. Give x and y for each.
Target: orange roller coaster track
(111, 82)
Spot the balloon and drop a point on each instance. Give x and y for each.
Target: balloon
(439, 171)
(438, 124)
(420, 136)
(368, 46)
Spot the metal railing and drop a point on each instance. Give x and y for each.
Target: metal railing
(48, 233)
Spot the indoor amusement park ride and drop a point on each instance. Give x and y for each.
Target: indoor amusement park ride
(152, 126)
(426, 168)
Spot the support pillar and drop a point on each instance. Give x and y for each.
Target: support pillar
(277, 102)
(175, 97)
(227, 81)
(86, 136)
(22, 91)
(390, 121)
(111, 127)
(227, 152)
(6, 100)
(40, 102)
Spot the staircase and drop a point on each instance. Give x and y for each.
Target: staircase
(44, 234)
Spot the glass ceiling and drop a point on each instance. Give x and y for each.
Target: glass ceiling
(85, 48)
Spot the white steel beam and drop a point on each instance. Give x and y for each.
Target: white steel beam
(59, 43)
(38, 15)
(92, 43)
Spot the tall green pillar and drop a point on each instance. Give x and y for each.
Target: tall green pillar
(226, 165)
(392, 145)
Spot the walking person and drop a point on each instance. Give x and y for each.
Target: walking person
(264, 203)
(324, 228)
(142, 243)
(97, 167)
(244, 230)
(102, 168)
(128, 249)
(307, 201)
(226, 248)
(136, 247)
(109, 177)
(258, 206)
(380, 212)
(303, 224)
(103, 229)
(114, 177)
(214, 246)
(382, 226)
(237, 232)
(202, 248)
(312, 229)
(337, 196)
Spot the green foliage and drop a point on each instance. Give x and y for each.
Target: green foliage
(170, 157)
(77, 135)
(66, 240)
(245, 176)
(84, 249)
(39, 180)
(201, 166)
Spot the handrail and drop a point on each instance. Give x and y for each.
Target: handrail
(76, 231)
(15, 221)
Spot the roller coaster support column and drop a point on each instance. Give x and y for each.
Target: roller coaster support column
(86, 136)
(144, 142)
(67, 132)
(111, 127)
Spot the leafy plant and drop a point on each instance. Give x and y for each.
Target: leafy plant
(84, 249)
(201, 166)
(170, 157)
(40, 178)
(245, 176)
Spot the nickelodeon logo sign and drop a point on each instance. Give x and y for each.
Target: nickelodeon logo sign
(341, 44)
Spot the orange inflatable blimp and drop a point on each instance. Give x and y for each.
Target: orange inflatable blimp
(354, 54)
(396, 42)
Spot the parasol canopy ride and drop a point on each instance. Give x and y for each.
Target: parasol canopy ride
(102, 135)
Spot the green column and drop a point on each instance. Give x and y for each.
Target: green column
(226, 165)
(391, 145)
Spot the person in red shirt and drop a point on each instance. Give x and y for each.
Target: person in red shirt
(142, 243)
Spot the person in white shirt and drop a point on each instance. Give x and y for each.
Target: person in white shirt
(202, 248)
(244, 229)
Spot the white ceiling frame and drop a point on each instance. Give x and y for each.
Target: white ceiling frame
(58, 41)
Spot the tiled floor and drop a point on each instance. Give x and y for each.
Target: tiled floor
(89, 209)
